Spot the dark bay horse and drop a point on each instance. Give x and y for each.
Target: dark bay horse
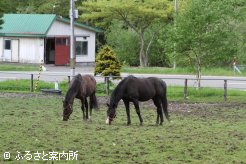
(132, 89)
(81, 87)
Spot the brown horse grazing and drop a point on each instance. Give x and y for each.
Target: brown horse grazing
(132, 89)
(81, 87)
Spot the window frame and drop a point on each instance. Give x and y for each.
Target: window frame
(9, 44)
(84, 47)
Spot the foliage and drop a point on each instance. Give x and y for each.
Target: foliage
(1, 16)
(60, 7)
(241, 44)
(124, 42)
(9, 6)
(137, 15)
(158, 56)
(203, 34)
(107, 63)
(1, 20)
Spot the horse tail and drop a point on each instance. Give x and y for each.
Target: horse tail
(93, 101)
(164, 100)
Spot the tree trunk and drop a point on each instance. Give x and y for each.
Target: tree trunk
(142, 55)
(198, 71)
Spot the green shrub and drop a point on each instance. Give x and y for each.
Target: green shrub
(106, 63)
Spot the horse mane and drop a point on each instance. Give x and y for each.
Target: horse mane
(115, 96)
(74, 88)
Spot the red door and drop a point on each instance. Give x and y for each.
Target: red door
(62, 51)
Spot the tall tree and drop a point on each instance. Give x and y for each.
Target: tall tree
(203, 33)
(9, 6)
(1, 20)
(1, 16)
(138, 15)
(58, 7)
(124, 42)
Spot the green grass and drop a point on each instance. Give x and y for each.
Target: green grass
(202, 135)
(25, 85)
(18, 67)
(183, 71)
(176, 93)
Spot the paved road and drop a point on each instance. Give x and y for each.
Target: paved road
(61, 73)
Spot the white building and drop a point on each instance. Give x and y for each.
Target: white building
(36, 38)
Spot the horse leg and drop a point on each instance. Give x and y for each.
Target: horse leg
(86, 107)
(83, 108)
(126, 102)
(159, 110)
(91, 106)
(136, 104)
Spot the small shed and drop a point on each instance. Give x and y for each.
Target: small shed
(36, 38)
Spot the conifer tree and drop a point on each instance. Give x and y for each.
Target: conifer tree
(106, 63)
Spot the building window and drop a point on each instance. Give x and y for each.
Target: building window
(81, 47)
(7, 45)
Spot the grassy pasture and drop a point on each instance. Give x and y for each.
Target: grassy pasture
(198, 132)
(18, 67)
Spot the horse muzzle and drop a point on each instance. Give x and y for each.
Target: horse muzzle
(65, 118)
(108, 121)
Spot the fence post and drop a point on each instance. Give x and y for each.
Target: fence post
(31, 87)
(106, 79)
(225, 90)
(185, 89)
(68, 82)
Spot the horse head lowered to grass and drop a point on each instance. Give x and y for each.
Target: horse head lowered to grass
(81, 87)
(132, 89)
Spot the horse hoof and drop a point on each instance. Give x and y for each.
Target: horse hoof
(128, 123)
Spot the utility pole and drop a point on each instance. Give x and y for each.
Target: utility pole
(174, 46)
(72, 52)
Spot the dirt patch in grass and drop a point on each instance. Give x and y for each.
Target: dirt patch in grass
(186, 108)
